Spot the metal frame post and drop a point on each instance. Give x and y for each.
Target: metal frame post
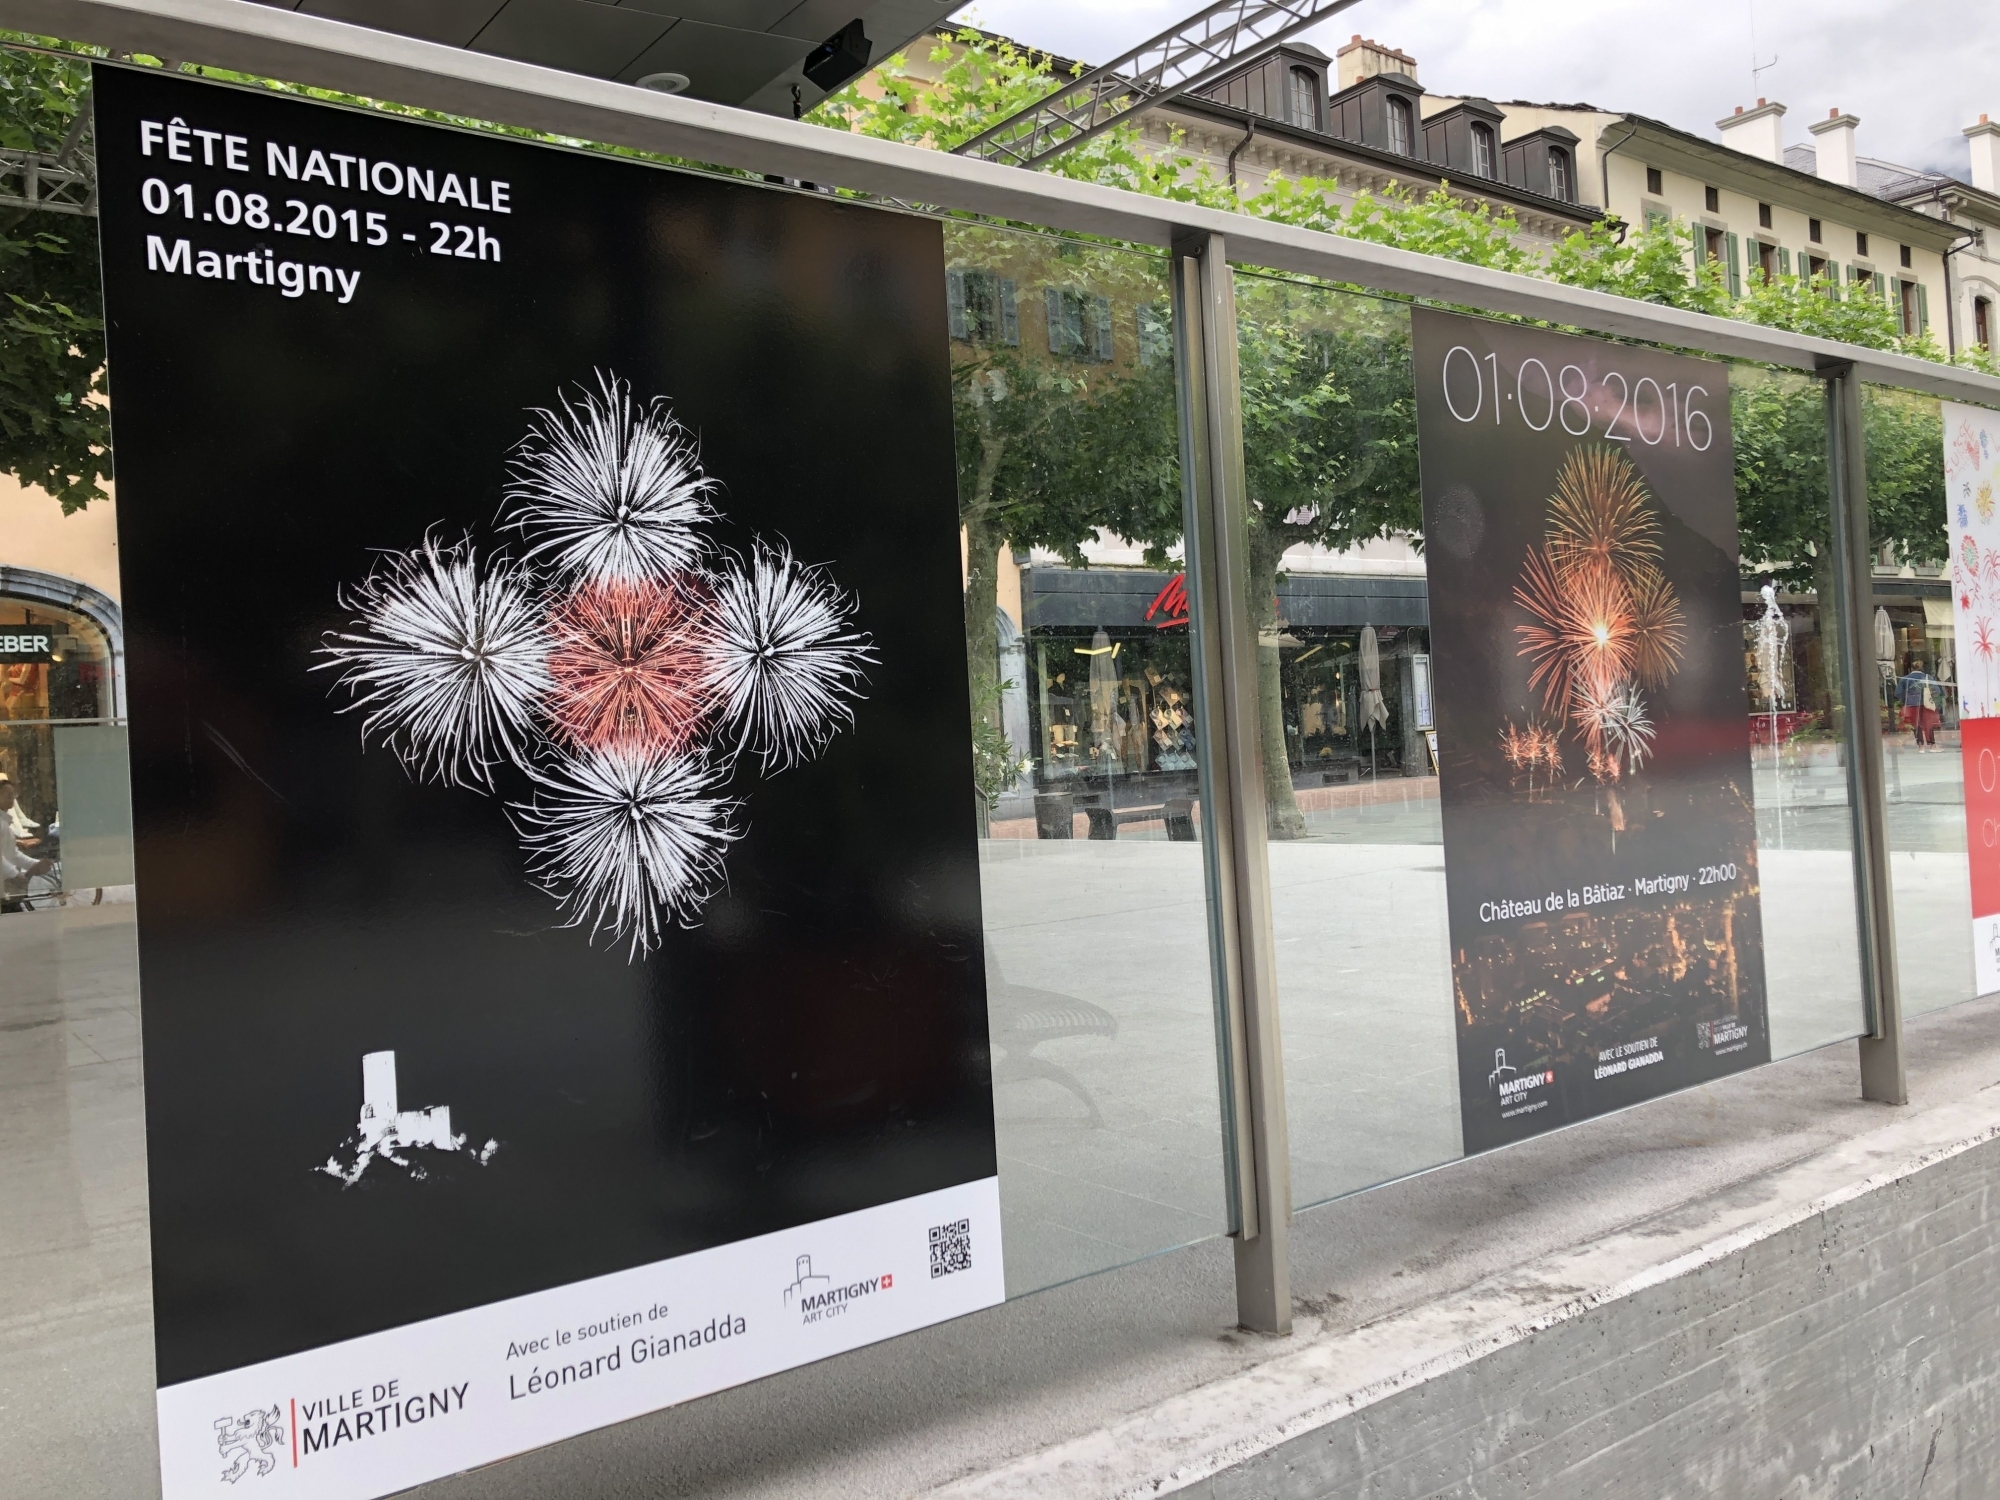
(1882, 1075)
(1232, 779)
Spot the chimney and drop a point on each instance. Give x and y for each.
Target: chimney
(1364, 58)
(1834, 153)
(1985, 141)
(1758, 132)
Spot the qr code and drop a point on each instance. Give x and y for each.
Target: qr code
(951, 1248)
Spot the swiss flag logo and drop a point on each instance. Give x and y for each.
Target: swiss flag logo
(888, 1280)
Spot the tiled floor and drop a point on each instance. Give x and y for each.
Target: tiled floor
(76, 1355)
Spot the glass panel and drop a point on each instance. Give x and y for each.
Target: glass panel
(1102, 1009)
(1916, 696)
(1796, 702)
(1356, 856)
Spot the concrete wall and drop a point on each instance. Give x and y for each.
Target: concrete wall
(1856, 1353)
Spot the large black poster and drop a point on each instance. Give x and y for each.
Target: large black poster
(559, 931)
(1587, 640)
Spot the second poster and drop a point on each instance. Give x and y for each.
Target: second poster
(1599, 826)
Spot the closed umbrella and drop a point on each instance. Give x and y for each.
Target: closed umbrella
(1103, 695)
(1885, 638)
(1103, 683)
(1373, 710)
(1885, 655)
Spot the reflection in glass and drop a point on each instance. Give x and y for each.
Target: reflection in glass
(1092, 882)
(1914, 699)
(1356, 859)
(55, 711)
(1795, 710)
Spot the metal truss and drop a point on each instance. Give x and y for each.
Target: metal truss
(30, 179)
(1189, 56)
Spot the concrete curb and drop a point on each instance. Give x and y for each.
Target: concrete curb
(1316, 1378)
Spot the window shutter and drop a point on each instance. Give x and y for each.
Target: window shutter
(1882, 288)
(1101, 307)
(954, 301)
(1923, 309)
(1784, 261)
(1010, 317)
(1052, 300)
(1735, 248)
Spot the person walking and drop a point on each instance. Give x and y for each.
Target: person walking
(1923, 702)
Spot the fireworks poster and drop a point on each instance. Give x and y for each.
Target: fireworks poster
(1587, 641)
(560, 945)
(1971, 481)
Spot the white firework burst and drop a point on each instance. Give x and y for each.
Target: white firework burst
(783, 656)
(608, 490)
(449, 664)
(1617, 715)
(627, 840)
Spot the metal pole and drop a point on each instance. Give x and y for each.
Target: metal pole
(1882, 1076)
(1232, 779)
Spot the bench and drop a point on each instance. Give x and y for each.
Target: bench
(1176, 812)
(1055, 813)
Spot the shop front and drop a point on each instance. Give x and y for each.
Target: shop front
(61, 747)
(1110, 693)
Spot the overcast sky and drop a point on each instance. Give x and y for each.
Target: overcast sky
(1916, 72)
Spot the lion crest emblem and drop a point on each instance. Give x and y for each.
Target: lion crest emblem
(247, 1441)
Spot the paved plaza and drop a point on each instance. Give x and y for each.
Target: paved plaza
(1105, 1070)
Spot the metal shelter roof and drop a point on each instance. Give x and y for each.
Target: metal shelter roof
(743, 52)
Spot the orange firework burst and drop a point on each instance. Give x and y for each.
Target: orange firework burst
(1535, 749)
(1548, 745)
(1659, 628)
(1598, 513)
(1583, 630)
(626, 665)
(1604, 620)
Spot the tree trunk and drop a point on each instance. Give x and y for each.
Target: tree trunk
(1861, 694)
(983, 536)
(1281, 807)
(982, 635)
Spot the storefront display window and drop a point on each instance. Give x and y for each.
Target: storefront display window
(1352, 703)
(55, 674)
(1113, 722)
(1111, 698)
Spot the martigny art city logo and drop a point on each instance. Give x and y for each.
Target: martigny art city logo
(817, 1298)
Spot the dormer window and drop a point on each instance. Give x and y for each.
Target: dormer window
(1559, 174)
(1305, 98)
(1482, 150)
(1401, 126)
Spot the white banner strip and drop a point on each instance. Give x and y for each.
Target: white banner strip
(381, 1413)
